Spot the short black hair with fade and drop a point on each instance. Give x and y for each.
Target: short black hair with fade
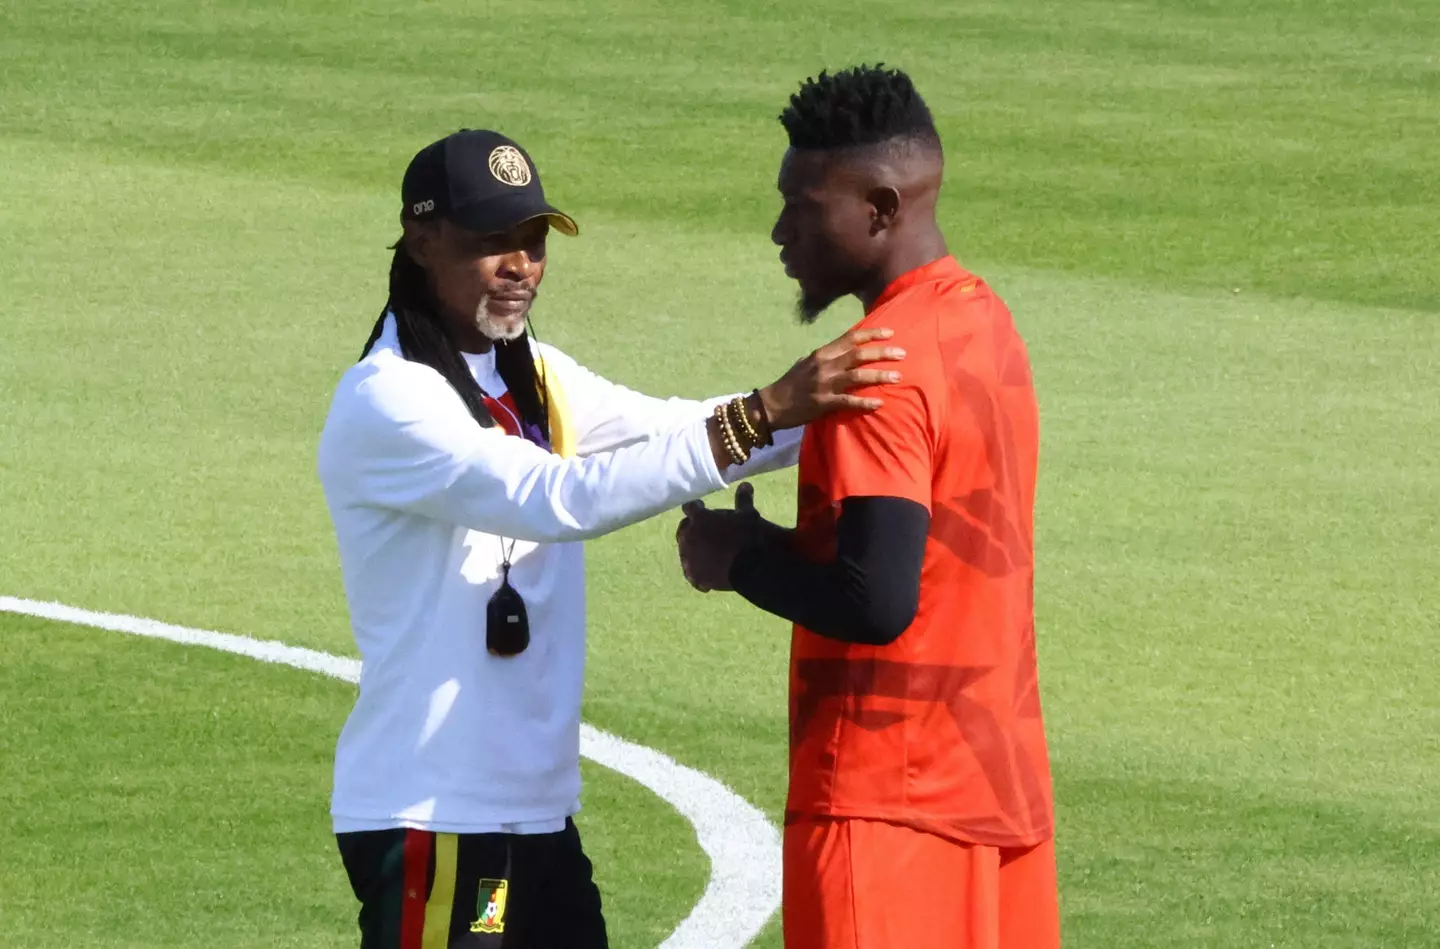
(856, 107)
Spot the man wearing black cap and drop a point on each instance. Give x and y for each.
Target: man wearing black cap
(462, 465)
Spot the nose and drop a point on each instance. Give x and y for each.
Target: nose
(516, 266)
(780, 233)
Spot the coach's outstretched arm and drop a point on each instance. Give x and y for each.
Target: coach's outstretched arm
(404, 440)
(608, 416)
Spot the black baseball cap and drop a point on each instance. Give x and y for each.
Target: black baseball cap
(480, 180)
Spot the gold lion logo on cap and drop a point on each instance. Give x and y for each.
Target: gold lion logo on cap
(509, 166)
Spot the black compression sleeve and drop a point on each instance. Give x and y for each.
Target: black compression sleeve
(871, 591)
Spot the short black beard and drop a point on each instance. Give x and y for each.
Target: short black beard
(810, 308)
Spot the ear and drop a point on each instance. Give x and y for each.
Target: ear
(885, 206)
(419, 241)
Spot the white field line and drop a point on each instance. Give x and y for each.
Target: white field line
(743, 891)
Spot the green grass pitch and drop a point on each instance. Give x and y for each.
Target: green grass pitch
(1214, 220)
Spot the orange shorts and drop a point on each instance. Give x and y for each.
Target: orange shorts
(862, 884)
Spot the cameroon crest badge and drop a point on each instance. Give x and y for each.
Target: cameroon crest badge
(491, 907)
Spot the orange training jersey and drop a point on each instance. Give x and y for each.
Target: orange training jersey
(941, 729)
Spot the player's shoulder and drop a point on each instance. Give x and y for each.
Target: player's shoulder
(915, 320)
(925, 306)
(962, 313)
(963, 292)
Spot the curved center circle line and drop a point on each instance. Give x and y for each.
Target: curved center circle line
(743, 891)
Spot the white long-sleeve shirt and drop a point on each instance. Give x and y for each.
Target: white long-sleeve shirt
(445, 736)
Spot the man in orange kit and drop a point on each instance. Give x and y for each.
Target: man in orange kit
(920, 813)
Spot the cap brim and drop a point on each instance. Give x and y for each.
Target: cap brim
(503, 213)
(559, 220)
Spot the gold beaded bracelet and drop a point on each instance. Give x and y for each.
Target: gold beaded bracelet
(732, 443)
(741, 419)
(739, 450)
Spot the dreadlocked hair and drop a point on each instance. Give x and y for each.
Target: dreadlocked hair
(424, 338)
(863, 105)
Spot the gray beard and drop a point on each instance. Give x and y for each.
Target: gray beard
(494, 330)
